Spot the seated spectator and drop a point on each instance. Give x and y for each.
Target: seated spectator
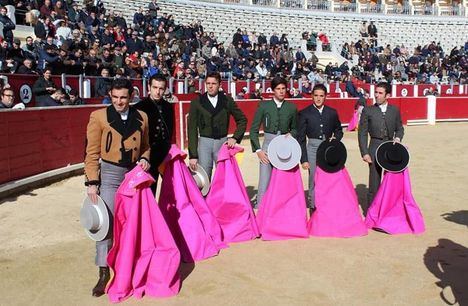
(242, 94)
(73, 98)
(44, 87)
(57, 98)
(8, 98)
(295, 93)
(27, 67)
(103, 83)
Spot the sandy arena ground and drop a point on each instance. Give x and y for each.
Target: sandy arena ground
(46, 258)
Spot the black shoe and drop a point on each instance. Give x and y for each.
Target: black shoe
(104, 276)
(312, 209)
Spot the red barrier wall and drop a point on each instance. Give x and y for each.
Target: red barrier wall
(452, 108)
(38, 140)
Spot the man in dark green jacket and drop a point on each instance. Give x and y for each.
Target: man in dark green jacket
(208, 124)
(278, 117)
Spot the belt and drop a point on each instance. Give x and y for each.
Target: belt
(216, 138)
(378, 138)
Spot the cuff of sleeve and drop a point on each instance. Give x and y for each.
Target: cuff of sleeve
(92, 183)
(144, 159)
(258, 150)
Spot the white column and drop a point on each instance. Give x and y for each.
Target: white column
(415, 91)
(394, 92)
(330, 3)
(232, 85)
(431, 109)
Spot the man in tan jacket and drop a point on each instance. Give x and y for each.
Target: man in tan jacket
(116, 140)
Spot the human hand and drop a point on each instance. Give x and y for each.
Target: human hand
(144, 164)
(396, 139)
(92, 192)
(305, 166)
(231, 142)
(193, 164)
(263, 156)
(367, 159)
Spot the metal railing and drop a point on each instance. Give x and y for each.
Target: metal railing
(321, 5)
(372, 7)
(268, 3)
(399, 9)
(345, 6)
(292, 4)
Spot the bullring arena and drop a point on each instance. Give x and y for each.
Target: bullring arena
(47, 259)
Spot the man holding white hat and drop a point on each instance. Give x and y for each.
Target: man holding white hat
(318, 123)
(278, 117)
(116, 139)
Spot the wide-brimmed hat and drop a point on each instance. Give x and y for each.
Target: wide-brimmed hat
(284, 152)
(202, 179)
(331, 156)
(95, 219)
(392, 157)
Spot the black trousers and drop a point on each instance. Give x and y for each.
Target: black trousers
(375, 171)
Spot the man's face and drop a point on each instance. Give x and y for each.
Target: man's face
(105, 73)
(47, 74)
(28, 64)
(380, 95)
(157, 89)
(279, 92)
(319, 97)
(3, 12)
(29, 41)
(212, 86)
(120, 99)
(8, 98)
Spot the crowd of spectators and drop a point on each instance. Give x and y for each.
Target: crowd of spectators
(87, 39)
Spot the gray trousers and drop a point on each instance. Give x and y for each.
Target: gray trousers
(265, 169)
(375, 171)
(111, 178)
(312, 146)
(208, 149)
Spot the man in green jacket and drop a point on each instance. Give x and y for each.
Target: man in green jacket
(208, 124)
(278, 117)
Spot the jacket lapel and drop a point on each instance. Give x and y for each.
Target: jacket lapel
(134, 122)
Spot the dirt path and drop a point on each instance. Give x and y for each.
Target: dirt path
(46, 259)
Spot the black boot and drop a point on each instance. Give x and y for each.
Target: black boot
(104, 276)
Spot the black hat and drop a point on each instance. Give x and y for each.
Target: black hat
(392, 157)
(331, 156)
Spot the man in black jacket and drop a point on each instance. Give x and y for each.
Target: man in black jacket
(318, 123)
(382, 122)
(161, 123)
(8, 25)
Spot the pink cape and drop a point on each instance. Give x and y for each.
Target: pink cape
(353, 123)
(282, 213)
(228, 199)
(337, 213)
(195, 229)
(144, 257)
(394, 209)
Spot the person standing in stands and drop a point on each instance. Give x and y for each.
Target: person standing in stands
(382, 122)
(209, 118)
(118, 137)
(317, 123)
(44, 87)
(278, 117)
(161, 123)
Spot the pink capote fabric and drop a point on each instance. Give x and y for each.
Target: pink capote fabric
(394, 209)
(195, 229)
(353, 123)
(228, 199)
(337, 213)
(282, 213)
(145, 258)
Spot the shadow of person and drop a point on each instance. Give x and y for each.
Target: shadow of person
(448, 261)
(460, 217)
(251, 192)
(361, 191)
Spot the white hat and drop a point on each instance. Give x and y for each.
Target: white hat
(201, 179)
(95, 219)
(284, 152)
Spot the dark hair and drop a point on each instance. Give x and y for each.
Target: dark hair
(7, 89)
(277, 80)
(320, 87)
(158, 78)
(47, 68)
(215, 75)
(122, 84)
(386, 86)
(73, 92)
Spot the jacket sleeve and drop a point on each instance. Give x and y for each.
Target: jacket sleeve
(337, 129)
(192, 126)
(93, 149)
(399, 130)
(302, 135)
(240, 119)
(39, 87)
(293, 127)
(363, 131)
(255, 127)
(145, 147)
